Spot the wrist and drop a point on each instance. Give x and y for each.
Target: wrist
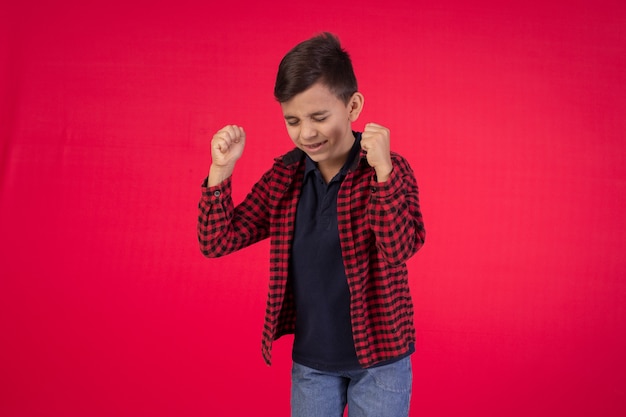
(383, 173)
(217, 174)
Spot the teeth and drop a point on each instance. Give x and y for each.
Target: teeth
(314, 146)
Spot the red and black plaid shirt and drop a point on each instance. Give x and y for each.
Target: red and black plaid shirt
(380, 228)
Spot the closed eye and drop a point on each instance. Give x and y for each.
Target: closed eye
(317, 117)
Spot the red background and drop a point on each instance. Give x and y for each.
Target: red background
(513, 117)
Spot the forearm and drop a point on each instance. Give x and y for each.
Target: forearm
(215, 212)
(395, 216)
(223, 228)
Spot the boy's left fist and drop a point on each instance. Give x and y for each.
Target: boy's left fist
(375, 141)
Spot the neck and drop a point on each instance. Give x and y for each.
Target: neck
(328, 172)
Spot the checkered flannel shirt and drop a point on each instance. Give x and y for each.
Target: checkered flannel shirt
(380, 228)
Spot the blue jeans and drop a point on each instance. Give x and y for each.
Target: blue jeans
(383, 391)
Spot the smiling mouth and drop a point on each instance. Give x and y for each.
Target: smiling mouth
(315, 146)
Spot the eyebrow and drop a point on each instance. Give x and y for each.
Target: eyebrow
(314, 114)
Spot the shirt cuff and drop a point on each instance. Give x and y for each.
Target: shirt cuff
(387, 189)
(218, 192)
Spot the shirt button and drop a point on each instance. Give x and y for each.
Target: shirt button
(373, 189)
(217, 193)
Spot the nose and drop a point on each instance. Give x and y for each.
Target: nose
(308, 131)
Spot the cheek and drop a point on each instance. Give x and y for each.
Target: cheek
(333, 131)
(293, 133)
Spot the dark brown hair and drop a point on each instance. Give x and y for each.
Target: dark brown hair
(319, 59)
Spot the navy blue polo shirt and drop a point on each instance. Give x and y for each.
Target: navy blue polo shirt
(323, 336)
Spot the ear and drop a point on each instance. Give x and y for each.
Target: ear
(355, 105)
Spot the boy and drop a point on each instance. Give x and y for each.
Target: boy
(342, 214)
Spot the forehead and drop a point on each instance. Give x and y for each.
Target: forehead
(317, 98)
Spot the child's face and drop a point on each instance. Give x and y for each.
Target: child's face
(320, 124)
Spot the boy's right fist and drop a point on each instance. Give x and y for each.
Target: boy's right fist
(227, 146)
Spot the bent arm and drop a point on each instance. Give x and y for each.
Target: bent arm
(223, 228)
(395, 216)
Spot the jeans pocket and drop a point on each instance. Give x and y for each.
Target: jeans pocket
(395, 377)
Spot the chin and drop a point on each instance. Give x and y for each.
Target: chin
(315, 158)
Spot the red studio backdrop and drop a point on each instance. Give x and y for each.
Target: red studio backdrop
(513, 117)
